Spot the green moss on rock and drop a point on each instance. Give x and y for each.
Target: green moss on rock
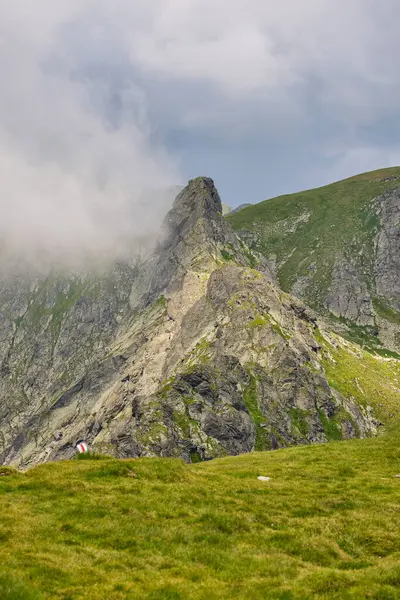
(250, 398)
(300, 420)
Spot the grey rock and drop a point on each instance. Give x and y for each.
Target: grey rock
(387, 263)
(348, 295)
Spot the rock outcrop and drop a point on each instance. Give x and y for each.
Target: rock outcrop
(348, 295)
(193, 353)
(387, 262)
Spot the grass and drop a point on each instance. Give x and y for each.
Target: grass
(307, 231)
(356, 373)
(226, 255)
(324, 526)
(299, 419)
(383, 310)
(251, 400)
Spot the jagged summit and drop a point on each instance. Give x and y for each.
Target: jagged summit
(194, 236)
(198, 202)
(199, 190)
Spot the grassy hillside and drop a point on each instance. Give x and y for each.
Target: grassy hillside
(324, 526)
(371, 380)
(306, 232)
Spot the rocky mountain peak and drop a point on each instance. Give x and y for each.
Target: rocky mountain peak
(198, 202)
(200, 196)
(194, 237)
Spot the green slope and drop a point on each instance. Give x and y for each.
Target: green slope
(324, 526)
(307, 231)
(371, 380)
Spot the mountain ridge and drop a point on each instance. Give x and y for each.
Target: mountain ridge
(337, 248)
(193, 353)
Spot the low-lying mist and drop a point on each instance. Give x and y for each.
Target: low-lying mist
(83, 178)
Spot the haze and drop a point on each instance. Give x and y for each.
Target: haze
(105, 105)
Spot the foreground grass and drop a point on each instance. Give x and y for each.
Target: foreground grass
(325, 526)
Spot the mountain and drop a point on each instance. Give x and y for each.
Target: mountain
(338, 249)
(226, 209)
(193, 352)
(240, 207)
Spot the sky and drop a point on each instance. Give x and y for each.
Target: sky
(105, 104)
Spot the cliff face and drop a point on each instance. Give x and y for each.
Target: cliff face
(387, 263)
(195, 353)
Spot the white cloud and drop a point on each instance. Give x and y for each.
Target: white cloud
(248, 46)
(73, 185)
(73, 168)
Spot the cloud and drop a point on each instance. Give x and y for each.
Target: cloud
(90, 88)
(265, 49)
(74, 183)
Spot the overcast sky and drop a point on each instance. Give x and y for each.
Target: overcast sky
(103, 101)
